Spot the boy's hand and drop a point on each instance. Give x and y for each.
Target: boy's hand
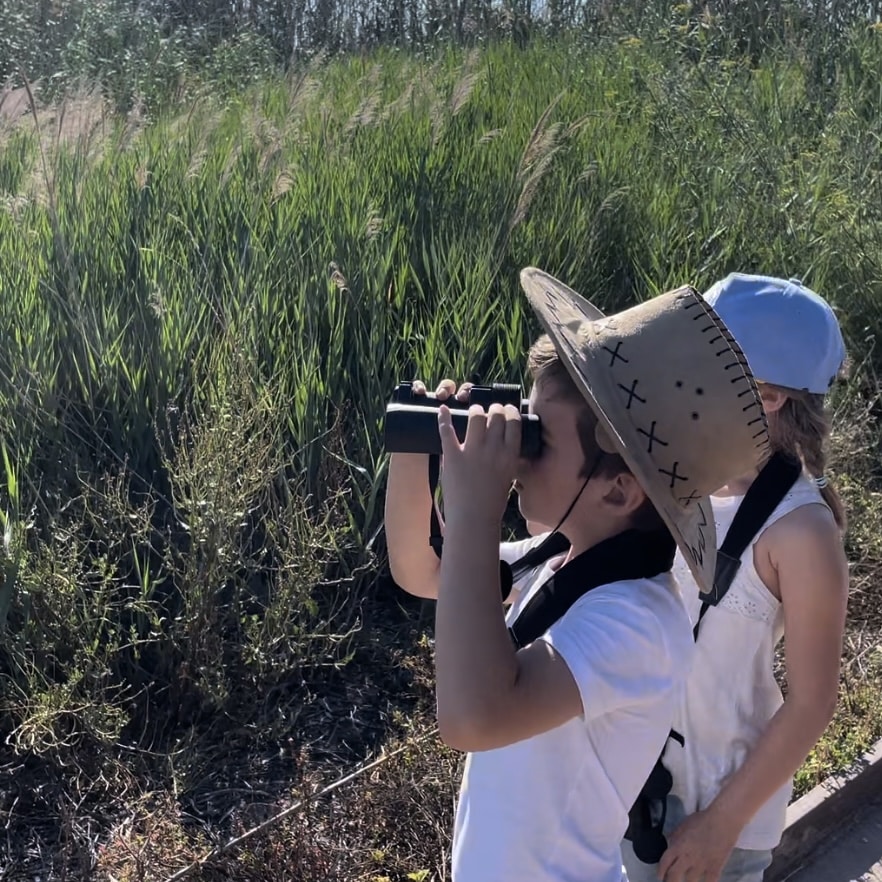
(478, 473)
(446, 389)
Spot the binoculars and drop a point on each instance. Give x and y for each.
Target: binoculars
(411, 424)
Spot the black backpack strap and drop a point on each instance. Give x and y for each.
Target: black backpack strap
(551, 546)
(705, 606)
(628, 555)
(436, 539)
(763, 496)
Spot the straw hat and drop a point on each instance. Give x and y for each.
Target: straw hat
(673, 395)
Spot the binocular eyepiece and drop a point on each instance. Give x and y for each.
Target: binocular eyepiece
(411, 424)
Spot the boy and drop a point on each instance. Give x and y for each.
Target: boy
(563, 727)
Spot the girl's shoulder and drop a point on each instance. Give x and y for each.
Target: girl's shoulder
(802, 515)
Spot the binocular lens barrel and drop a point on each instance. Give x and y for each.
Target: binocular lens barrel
(411, 424)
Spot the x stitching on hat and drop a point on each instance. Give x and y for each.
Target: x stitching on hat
(673, 475)
(632, 394)
(654, 439)
(686, 500)
(615, 354)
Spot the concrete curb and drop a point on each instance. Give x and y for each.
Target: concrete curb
(823, 811)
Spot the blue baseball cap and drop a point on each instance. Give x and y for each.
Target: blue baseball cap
(790, 335)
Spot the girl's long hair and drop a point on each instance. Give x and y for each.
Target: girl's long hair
(801, 427)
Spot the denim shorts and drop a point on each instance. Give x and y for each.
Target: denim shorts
(744, 865)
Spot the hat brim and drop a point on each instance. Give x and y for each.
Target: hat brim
(691, 526)
(586, 307)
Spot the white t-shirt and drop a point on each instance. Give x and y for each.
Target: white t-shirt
(732, 692)
(511, 552)
(555, 806)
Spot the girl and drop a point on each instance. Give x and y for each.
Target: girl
(732, 776)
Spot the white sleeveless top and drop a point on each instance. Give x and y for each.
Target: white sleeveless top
(731, 693)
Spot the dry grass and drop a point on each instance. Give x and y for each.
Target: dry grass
(134, 816)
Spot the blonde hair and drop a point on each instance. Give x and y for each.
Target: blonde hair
(801, 428)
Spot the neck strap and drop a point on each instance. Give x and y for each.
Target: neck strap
(628, 555)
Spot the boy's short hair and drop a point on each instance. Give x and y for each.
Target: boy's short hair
(546, 368)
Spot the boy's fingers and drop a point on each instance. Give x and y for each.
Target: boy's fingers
(496, 422)
(449, 441)
(445, 389)
(476, 429)
(513, 429)
(462, 394)
(504, 430)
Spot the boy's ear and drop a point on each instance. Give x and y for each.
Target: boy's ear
(624, 494)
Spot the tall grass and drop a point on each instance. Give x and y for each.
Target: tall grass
(130, 252)
(204, 314)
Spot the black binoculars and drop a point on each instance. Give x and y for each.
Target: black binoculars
(647, 816)
(412, 420)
